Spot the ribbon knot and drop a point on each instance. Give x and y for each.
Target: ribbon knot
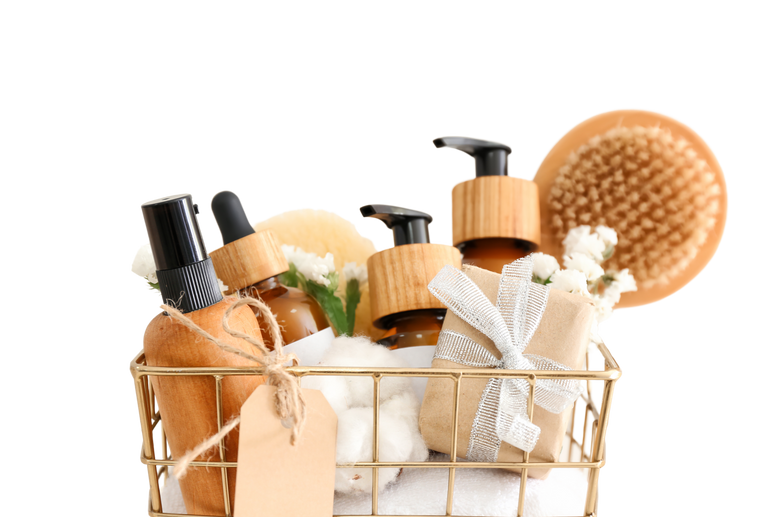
(510, 324)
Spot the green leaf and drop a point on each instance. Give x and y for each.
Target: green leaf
(541, 281)
(330, 303)
(352, 297)
(333, 278)
(290, 277)
(154, 286)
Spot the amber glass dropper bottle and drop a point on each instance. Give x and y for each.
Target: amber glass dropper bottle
(495, 218)
(398, 277)
(250, 262)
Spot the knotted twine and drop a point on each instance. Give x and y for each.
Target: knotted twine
(510, 324)
(289, 402)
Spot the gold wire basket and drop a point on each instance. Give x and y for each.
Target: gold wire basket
(584, 452)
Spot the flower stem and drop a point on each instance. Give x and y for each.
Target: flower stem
(352, 298)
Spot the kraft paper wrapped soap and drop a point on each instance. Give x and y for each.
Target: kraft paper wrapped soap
(560, 337)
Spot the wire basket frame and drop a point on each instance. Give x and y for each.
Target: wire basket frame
(590, 448)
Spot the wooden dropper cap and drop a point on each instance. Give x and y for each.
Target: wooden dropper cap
(247, 257)
(493, 205)
(399, 276)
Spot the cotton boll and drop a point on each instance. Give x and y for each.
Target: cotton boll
(399, 440)
(361, 352)
(334, 388)
(406, 408)
(353, 444)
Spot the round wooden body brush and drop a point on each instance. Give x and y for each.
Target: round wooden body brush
(648, 177)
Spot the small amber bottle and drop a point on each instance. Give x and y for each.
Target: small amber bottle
(495, 218)
(401, 303)
(250, 262)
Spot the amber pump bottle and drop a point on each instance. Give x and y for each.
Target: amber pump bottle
(250, 262)
(188, 404)
(398, 277)
(495, 218)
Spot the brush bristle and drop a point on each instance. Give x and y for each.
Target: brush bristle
(651, 187)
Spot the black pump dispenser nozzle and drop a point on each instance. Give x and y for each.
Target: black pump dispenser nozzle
(409, 226)
(185, 271)
(230, 217)
(491, 157)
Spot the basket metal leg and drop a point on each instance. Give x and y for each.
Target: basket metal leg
(221, 445)
(598, 449)
(453, 445)
(146, 425)
(375, 448)
(526, 455)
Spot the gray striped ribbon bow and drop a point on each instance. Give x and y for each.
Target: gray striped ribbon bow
(510, 324)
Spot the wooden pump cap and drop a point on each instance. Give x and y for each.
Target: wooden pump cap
(496, 207)
(249, 260)
(399, 277)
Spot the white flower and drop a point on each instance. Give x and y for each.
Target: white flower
(222, 287)
(623, 282)
(580, 240)
(585, 264)
(353, 270)
(603, 310)
(571, 281)
(293, 254)
(314, 268)
(608, 235)
(144, 265)
(544, 265)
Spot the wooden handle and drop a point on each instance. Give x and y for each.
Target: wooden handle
(399, 277)
(249, 260)
(495, 207)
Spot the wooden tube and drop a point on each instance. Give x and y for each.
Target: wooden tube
(188, 404)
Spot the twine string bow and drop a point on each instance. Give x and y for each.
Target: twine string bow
(510, 324)
(289, 402)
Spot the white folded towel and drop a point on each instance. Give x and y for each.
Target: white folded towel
(490, 492)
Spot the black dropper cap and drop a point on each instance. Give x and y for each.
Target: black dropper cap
(491, 157)
(409, 226)
(185, 272)
(230, 217)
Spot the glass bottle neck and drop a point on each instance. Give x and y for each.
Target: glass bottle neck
(410, 321)
(265, 285)
(493, 254)
(413, 328)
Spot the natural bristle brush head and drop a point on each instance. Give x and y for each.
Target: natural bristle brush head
(648, 177)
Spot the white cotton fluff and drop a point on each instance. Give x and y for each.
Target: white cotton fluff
(352, 400)
(399, 440)
(360, 351)
(335, 390)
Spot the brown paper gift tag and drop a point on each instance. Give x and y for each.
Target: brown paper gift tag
(562, 335)
(275, 478)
